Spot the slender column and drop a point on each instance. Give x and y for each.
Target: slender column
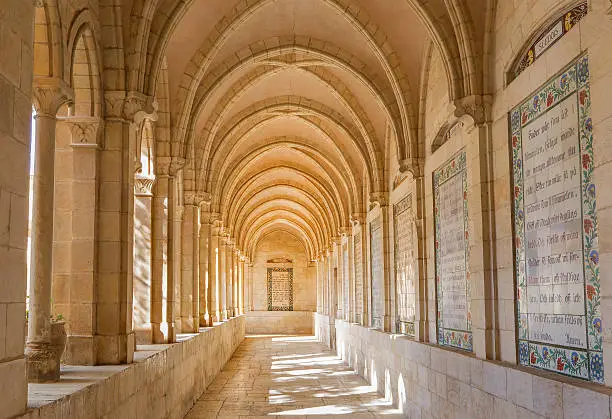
(42, 363)
(214, 289)
(190, 265)
(204, 276)
(164, 214)
(222, 262)
(229, 278)
(249, 286)
(143, 258)
(236, 283)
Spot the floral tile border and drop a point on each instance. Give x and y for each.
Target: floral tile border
(585, 364)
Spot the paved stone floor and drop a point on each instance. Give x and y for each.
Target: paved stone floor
(279, 376)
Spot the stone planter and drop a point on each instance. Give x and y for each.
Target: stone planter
(58, 339)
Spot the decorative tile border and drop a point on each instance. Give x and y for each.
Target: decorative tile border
(271, 306)
(461, 339)
(585, 363)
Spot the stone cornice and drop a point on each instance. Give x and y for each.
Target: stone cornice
(49, 94)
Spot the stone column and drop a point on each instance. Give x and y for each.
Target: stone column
(204, 277)
(190, 289)
(143, 197)
(214, 297)
(241, 309)
(221, 272)
(164, 212)
(236, 282)
(42, 362)
(229, 277)
(249, 297)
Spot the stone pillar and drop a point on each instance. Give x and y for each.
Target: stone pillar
(175, 259)
(204, 277)
(229, 278)
(76, 233)
(143, 207)
(164, 213)
(241, 309)
(249, 297)
(42, 362)
(236, 283)
(214, 297)
(190, 316)
(222, 274)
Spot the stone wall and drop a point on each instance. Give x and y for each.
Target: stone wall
(429, 381)
(16, 23)
(165, 385)
(280, 322)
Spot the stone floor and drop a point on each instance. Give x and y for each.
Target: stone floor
(278, 376)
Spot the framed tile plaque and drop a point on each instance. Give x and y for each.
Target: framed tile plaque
(452, 251)
(405, 265)
(280, 289)
(358, 259)
(555, 228)
(378, 280)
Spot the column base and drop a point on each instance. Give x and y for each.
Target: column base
(80, 350)
(115, 349)
(42, 363)
(164, 332)
(143, 334)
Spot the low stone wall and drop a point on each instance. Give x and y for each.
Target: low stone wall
(428, 381)
(164, 385)
(280, 322)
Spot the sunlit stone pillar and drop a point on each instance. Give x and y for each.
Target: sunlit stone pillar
(190, 316)
(222, 273)
(42, 363)
(204, 276)
(214, 288)
(229, 277)
(249, 297)
(143, 205)
(236, 282)
(164, 213)
(241, 287)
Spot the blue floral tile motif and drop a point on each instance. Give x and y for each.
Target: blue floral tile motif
(581, 361)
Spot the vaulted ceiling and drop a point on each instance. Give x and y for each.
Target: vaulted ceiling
(290, 112)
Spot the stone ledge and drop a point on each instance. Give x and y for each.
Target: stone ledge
(163, 382)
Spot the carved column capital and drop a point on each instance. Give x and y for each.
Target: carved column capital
(358, 218)
(379, 198)
(196, 198)
(49, 94)
(345, 231)
(169, 166)
(412, 165)
(86, 131)
(209, 217)
(143, 185)
(476, 107)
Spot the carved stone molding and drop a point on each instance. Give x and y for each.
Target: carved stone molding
(379, 198)
(196, 198)
(49, 94)
(412, 165)
(358, 218)
(143, 185)
(209, 217)
(86, 131)
(130, 106)
(476, 107)
(169, 166)
(345, 231)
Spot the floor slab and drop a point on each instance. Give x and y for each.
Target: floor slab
(289, 376)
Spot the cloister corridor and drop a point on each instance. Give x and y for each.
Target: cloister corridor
(289, 376)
